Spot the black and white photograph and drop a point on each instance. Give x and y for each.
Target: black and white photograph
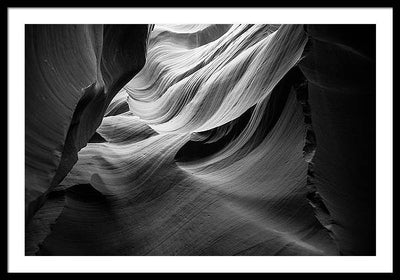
(211, 139)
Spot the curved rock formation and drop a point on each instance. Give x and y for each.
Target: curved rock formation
(72, 74)
(215, 146)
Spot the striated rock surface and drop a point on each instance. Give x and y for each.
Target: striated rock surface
(216, 144)
(72, 74)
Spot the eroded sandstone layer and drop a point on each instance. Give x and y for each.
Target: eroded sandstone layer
(200, 140)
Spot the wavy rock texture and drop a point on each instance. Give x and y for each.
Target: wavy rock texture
(212, 147)
(72, 74)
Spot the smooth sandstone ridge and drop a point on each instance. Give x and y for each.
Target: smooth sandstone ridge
(200, 140)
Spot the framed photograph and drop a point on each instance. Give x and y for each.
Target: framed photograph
(200, 139)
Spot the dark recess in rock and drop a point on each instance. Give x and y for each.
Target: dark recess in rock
(340, 69)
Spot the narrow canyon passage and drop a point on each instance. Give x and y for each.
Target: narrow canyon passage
(200, 140)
